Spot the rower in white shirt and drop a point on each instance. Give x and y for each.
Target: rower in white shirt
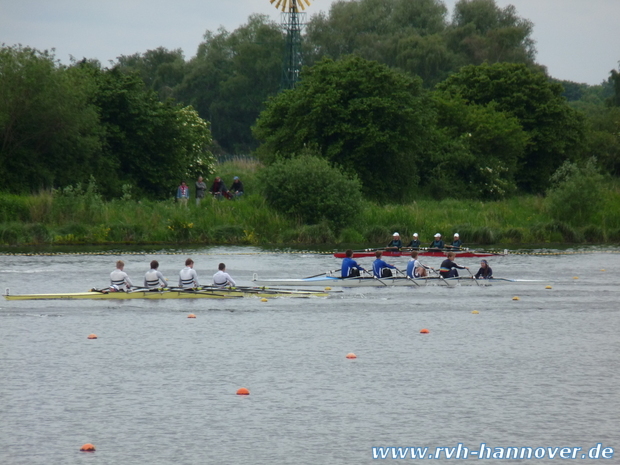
(118, 278)
(221, 278)
(153, 278)
(188, 278)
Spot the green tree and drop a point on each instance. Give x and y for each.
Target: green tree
(307, 187)
(555, 131)
(49, 134)
(359, 114)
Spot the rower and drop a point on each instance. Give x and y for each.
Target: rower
(188, 277)
(380, 268)
(415, 242)
(396, 243)
(437, 244)
(448, 267)
(457, 244)
(350, 267)
(415, 269)
(221, 278)
(118, 278)
(153, 278)
(485, 271)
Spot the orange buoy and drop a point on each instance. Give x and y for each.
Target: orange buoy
(243, 392)
(575, 277)
(424, 331)
(88, 447)
(92, 336)
(191, 315)
(351, 355)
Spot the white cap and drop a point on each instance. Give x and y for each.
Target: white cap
(437, 235)
(415, 234)
(456, 235)
(395, 234)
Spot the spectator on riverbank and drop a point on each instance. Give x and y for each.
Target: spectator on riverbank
(183, 194)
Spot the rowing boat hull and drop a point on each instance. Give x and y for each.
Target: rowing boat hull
(157, 295)
(331, 281)
(422, 253)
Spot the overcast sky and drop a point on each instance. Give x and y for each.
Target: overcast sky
(578, 40)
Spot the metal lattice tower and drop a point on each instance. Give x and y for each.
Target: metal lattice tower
(293, 22)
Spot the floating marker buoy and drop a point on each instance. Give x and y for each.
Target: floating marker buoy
(263, 300)
(328, 288)
(191, 315)
(515, 298)
(243, 392)
(424, 331)
(351, 355)
(603, 269)
(547, 287)
(475, 312)
(88, 447)
(575, 277)
(92, 336)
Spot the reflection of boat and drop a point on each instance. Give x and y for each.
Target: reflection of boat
(202, 293)
(421, 252)
(326, 280)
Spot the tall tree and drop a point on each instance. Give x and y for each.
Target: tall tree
(555, 131)
(359, 114)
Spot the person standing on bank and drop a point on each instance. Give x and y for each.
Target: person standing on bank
(415, 242)
(183, 194)
(349, 266)
(188, 278)
(201, 188)
(153, 278)
(221, 278)
(118, 278)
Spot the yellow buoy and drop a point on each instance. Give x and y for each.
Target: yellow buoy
(328, 288)
(575, 277)
(603, 269)
(515, 298)
(475, 312)
(263, 300)
(548, 287)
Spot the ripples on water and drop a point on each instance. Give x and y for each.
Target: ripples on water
(159, 388)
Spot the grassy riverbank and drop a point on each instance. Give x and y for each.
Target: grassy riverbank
(81, 217)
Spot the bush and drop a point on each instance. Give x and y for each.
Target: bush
(13, 208)
(310, 189)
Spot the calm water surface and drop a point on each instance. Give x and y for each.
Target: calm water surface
(159, 388)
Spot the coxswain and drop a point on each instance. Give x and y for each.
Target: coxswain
(118, 278)
(380, 268)
(437, 244)
(350, 267)
(415, 269)
(396, 243)
(485, 271)
(188, 278)
(415, 242)
(457, 244)
(221, 278)
(448, 267)
(153, 278)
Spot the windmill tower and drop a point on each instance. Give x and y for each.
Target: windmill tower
(292, 22)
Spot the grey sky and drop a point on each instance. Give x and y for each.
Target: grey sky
(578, 40)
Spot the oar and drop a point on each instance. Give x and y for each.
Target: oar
(472, 277)
(374, 277)
(440, 277)
(407, 277)
(322, 274)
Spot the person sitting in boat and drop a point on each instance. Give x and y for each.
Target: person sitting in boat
(396, 243)
(448, 267)
(188, 278)
(415, 242)
(437, 244)
(221, 278)
(415, 269)
(120, 279)
(153, 278)
(380, 268)
(219, 190)
(349, 266)
(457, 244)
(485, 271)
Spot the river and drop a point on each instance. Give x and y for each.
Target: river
(158, 388)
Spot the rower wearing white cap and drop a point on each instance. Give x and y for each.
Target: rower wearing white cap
(437, 243)
(456, 243)
(396, 243)
(415, 242)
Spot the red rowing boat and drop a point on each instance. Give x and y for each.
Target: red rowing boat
(422, 253)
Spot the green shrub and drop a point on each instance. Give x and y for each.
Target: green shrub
(316, 234)
(351, 236)
(593, 234)
(310, 189)
(564, 231)
(13, 208)
(39, 233)
(377, 234)
(513, 235)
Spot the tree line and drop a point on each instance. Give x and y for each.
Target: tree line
(394, 93)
